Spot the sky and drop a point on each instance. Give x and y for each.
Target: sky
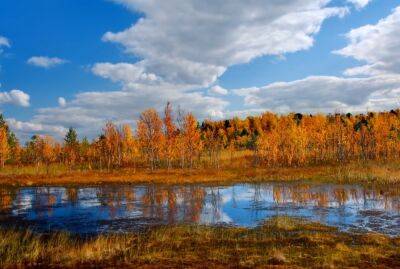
(81, 63)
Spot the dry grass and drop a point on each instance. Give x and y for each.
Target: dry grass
(365, 173)
(281, 241)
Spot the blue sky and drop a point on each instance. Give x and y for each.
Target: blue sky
(61, 28)
(108, 65)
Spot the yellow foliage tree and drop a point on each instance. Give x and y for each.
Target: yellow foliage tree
(191, 138)
(4, 147)
(130, 150)
(150, 135)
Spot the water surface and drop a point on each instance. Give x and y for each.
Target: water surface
(123, 208)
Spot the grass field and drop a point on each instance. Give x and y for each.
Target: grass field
(280, 241)
(382, 173)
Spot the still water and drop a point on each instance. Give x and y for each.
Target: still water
(122, 208)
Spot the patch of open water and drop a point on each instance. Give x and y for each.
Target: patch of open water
(123, 208)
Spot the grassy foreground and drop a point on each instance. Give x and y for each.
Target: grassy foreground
(387, 173)
(283, 242)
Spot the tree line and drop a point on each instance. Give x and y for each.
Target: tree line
(178, 140)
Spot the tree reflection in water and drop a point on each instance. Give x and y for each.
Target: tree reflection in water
(242, 204)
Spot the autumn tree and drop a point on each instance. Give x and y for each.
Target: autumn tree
(180, 141)
(40, 150)
(71, 147)
(150, 136)
(45, 147)
(130, 150)
(112, 147)
(84, 152)
(191, 138)
(58, 152)
(214, 138)
(170, 133)
(4, 147)
(14, 149)
(97, 150)
(274, 140)
(29, 155)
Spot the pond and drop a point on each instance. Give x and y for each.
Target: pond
(123, 208)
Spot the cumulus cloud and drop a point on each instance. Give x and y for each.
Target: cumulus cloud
(201, 39)
(326, 94)
(184, 47)
(46, 62)
(217, 90)
(372, 86)
(26, 129)
(124, 72)
(89, 111)
(377, 45)
(4, 42)
(15, 97)
(183, 53)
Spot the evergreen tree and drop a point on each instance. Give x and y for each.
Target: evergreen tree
(3, 123)
(71, 138)
(71, 147)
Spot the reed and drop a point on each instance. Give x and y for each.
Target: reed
(280, 241)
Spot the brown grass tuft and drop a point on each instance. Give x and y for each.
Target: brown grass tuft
(282, 241)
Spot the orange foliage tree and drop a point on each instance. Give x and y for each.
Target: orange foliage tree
(4, 147)
(150, 135)
(191, 138)
(170, 133)
(268, 140)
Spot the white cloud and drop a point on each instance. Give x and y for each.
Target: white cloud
(217, 90)
(62, 102)
(4, 42)
(184, 47)
(46, 62)
(359, 3)
(326, 94)
(15, 97)
(377, 45)
(26, 129)
(193, 42)
(89, 111)
(378, 88)
(124, 72)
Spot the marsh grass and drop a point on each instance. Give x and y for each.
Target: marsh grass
(366, 173)
(234, 167)
(281, 241)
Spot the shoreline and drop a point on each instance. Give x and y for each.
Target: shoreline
(387, 174)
